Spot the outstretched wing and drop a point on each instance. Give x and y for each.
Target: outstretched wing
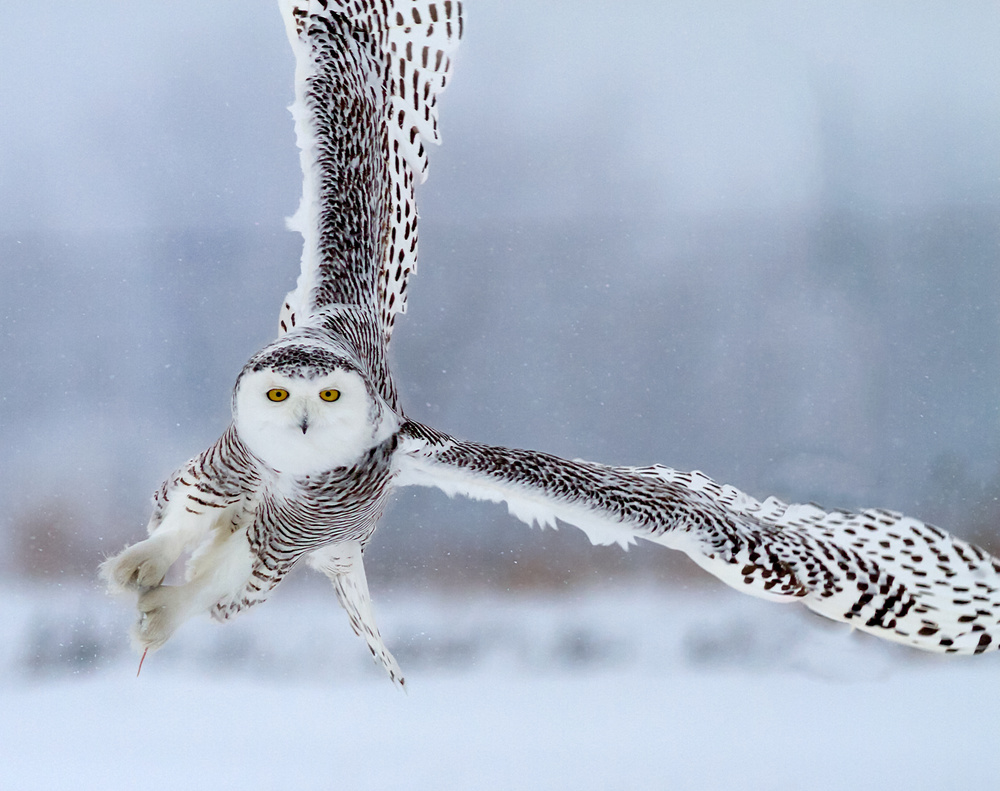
(367, 77)
(880, 571)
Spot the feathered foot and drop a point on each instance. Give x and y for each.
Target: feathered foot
(215, 572)
(142, 565)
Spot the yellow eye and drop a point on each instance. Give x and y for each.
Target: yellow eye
(277, 394)
(329, 395)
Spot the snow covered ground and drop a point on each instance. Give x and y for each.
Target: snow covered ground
(641, 688)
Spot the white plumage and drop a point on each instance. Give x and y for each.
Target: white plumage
(319, 439)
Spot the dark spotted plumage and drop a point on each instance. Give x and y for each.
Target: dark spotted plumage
(369, 77)
(880, 571)
(319, 439)
(297, 359)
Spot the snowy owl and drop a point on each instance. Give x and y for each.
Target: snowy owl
(319, 440)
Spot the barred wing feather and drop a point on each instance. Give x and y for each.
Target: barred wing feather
(367, 77)
(880, 571)
(423, 37)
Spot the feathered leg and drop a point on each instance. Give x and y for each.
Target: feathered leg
(204, 494)
(343, 564)
(175, 527)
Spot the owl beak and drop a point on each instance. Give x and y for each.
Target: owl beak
(304, 424)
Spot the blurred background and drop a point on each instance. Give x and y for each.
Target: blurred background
(758, 239)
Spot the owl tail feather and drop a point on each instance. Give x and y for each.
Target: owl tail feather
(342, 563)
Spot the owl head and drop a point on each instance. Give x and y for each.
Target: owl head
(303, 408)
